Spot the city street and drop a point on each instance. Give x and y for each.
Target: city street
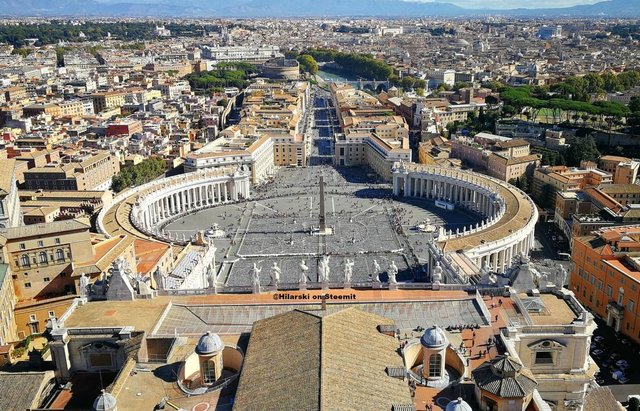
(325, 124)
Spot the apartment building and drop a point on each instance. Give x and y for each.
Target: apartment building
(8, 330)
(289, 150)
(372, 135)
(563, 178)
(84, 171)
(41, 257)
(107, 100)
(502, 157)
(605, 276)
(624, 170)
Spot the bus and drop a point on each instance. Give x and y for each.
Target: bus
(445, 205)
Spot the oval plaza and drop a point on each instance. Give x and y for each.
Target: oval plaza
(487, 225)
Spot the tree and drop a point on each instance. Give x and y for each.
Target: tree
(407, 82)
(420, 91)
(582, 149)
(394, 80)
(634, 105)
(491, 100)
(308, 64)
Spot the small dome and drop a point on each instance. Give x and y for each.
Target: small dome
(434, 337)
(458, 405)
(393, 88)
(105, 402)
(462, 42)
(209, 343)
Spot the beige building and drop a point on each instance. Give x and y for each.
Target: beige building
(507, 168)
(107, 100)
(372, 135)
(563, 178)
(42, 257)
(624, 170)
(367, 149)
(289, 150)
(503, 158)
(8, 330)
(82, 172)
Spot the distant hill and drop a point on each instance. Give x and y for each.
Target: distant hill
(293, 8)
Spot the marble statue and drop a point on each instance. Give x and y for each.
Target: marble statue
(275, 274)
(561, 276)
(436, 276)
(84, 285)
(303, 273)
(348, 270)
(323, 269)
(392, 272)
(212, 276)
(376, 271)
(255, 277)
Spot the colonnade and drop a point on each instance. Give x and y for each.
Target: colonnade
(166, 200)
(477, 193)
(446, 188)
(187, 199)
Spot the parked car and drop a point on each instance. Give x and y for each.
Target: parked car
(597, 352)
(598, 338)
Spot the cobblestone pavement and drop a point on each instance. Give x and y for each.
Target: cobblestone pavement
(277, 225)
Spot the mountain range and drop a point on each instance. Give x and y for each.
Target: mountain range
(296, 8)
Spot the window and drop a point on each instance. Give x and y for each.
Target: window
(40, 243)
(52, 314)
(46, 279)
(22, 246)
(620, 296)
(544, 357)
(630, 305)
(43, 257)
(27, 285)
(59, 254)
(32, 318)
(609, 291)
(435, 364)
(209, 372)
(57, 241)
(24, 260)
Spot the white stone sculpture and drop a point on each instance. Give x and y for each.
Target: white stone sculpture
(392, 272)
(255, 278)
(275, 274)
(348, 270)
(84, 286)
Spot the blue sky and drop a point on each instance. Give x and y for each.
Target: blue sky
(512, 4)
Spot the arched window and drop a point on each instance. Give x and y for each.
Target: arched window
(42, 256)
(24, 260)
(209, 372)
(435, 363)
(59, 254)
